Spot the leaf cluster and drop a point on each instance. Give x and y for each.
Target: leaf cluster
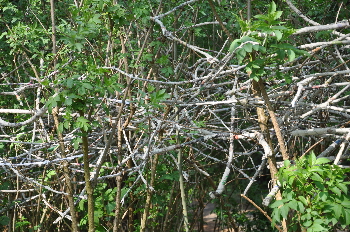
(264, 44)
(315, 195)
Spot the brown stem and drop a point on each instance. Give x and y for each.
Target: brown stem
(131, 207)
(117, 211)
(59, 134)
(66, 172)
(263, 120)
(89, 188)
(149, 194)
(220, 21)
(271, 111)
(263, 124)
(260, 209)
(169, 207)
(182, 191)
(116, 222)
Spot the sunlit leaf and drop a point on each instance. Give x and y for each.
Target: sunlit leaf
(277, 15)
(234, 45)
(278, 34)
(336, 190)
(248, 47)
(322, 160)
(316, 177)
(302, 199)
(284, 211)
(272, 7)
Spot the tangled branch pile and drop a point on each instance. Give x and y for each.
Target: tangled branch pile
(167, 108)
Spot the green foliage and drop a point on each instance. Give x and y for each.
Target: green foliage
(263, 46)
(104, 206)
(155, 97)
(256, 221)
(4, 220)
(83, 123)
(315, 195)
(22, 223)
(80, 92)
(317, 9)
(5, 185)
(50, 174)
(88, 38)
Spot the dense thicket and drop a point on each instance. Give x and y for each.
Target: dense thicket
(134, 115)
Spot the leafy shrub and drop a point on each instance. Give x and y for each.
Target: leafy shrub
(314, 195)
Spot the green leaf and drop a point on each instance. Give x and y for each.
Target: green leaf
(302, 199)
(163, 60)
(277, 15)
(97, 215)
(167, 71)
(234, 45)
(280, 54)
(78, 46)
(256, 78)
(323, 196)
(288, 79)
(289, 195)
(96, 19)
(291, 180)
(278, 35)
(307, 223)
(291, 55)
(276, 204)
(247, 38)
(335, 190)
(346, 203)
(278, 28)
(316, 177)
(317, 227)
(337, 209)
(283, 46)
(69, 82)
(311, 158)
(293, 204)
(302, 52)
(276, 215)
(241, 52)
(52, 148)
(237, 42)
(68, 101)
(110, 208)
(262, 49)
(301, 207)
(272, 7)
(148, 57)
(248, 70)
(248, 47)
(66, 124)
(284, 211)
(322, 160)
(347, 216)
(261, 17)
(256, 47)
(286, 163)
(45, 82)
(60, 127)
(87, 85)
(5, 185)
(81, 205)
(76, 142)
(343, 187)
